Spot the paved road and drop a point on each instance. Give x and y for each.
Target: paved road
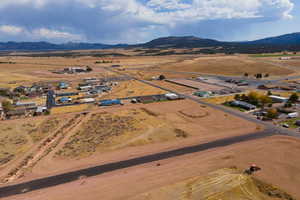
(97, 170)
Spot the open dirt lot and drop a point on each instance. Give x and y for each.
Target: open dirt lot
(277, 156)
(226, 65)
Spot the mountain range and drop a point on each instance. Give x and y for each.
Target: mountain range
(279, 43)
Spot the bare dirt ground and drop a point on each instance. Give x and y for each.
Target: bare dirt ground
(278, 157)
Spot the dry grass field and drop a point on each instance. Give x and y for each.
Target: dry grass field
(131, 89)
(220, 100)
(117, 133)
(109, 131)
(26, 70)
(18, 136)
(226, 65)
(70, 109)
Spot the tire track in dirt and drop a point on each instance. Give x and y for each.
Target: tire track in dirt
(45, 147)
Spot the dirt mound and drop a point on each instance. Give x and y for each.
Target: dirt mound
(225, 184)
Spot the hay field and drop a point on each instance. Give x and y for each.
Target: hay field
(226, 65)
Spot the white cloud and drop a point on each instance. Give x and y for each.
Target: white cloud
(41, 33)
(11, 30)
(45, 33)
(115, 19)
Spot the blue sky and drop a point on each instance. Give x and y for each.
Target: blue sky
(134, 21)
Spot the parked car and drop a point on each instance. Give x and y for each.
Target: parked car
(285, 126)
(134, 101)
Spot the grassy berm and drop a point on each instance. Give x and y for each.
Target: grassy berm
(224, 184)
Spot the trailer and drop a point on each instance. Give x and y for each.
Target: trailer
(88, 100)
(293, 115)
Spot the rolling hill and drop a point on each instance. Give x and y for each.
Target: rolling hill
(290, 42)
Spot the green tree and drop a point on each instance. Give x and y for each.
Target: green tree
(269, 93)
(89, 69)
(237, 97)
(264, 100)
(253, 98)
(272, 113)
(294, 98)
(162, 77)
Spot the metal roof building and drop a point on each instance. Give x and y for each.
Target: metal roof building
(243, 104)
